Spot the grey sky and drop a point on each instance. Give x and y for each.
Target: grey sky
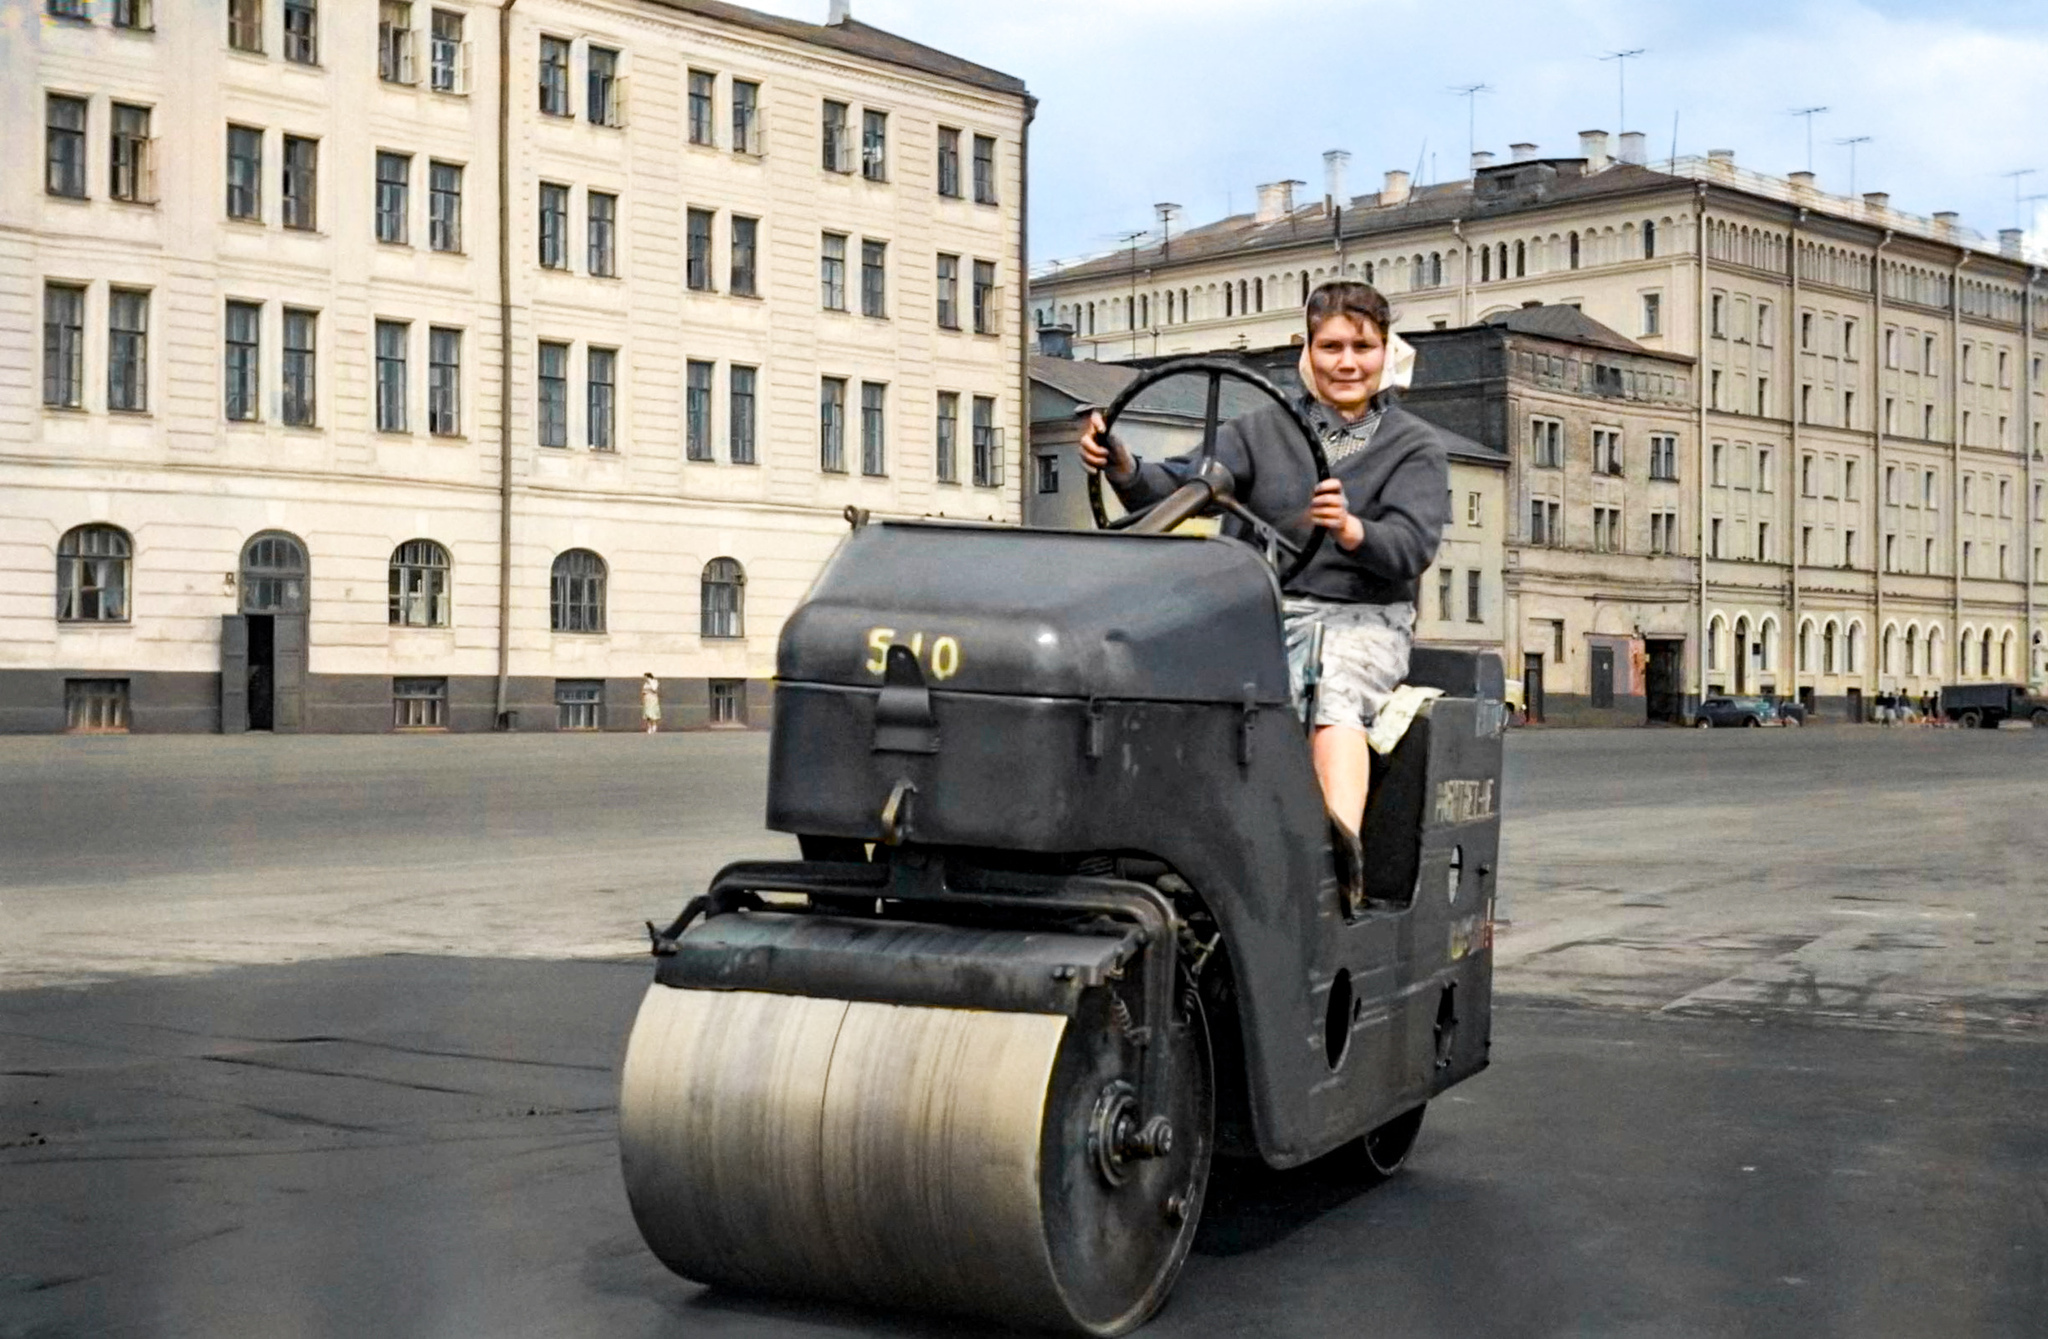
(1198, 101)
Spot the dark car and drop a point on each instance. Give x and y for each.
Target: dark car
(1736, 711)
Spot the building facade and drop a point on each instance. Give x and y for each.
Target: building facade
(452, 365)
(1866, 409)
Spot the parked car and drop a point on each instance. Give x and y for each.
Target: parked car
(1736, 711)
(1972, 705)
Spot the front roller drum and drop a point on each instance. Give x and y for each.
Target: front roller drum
(990, 1164)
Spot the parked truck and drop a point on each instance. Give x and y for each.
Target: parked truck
(1975, 705)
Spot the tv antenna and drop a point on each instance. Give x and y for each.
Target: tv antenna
(1850, 144)
(1621, 60)
(2017, 174)
(1470, 93)
(1809, 113)
(1167, 212)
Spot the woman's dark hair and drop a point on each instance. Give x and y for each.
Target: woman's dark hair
(1348, 297)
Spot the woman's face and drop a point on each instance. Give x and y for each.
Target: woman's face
(1346, 356)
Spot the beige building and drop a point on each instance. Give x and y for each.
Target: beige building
(428, 365)
(1866, 415)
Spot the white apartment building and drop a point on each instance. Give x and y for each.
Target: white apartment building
(396, 365)
(1867, 414)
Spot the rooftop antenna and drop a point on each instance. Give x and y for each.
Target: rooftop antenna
(1674, 141)
(1167, 212)
(1420, 155)
(1809, 113)
(1470, 93)
(2017, 174)
(1850, 144)
(1621, 60)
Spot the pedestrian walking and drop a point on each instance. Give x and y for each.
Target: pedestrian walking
(650, 701)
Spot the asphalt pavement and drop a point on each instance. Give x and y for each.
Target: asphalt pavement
(320, 1037)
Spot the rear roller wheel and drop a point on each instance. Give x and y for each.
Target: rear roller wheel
(989, 1164)
(1383, 1151)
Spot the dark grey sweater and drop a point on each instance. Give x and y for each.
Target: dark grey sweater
(1398, 488)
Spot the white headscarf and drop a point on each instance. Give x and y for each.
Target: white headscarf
(1395, 373)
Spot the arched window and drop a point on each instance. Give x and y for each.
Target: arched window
(1912, 648)
(1187, 313)
(576, 600)
(2005, 654)
(1767, 646)
(1258, 295)
(1368, 271)
(1885, 648)
(1649, 239)
(1244, 297)
(1572, 242)
(1169, 306)
(1485, 264)
(419, 585)
(1828, 637)
(1503, 262)
(1966, 644)
(93, 567)
(1984, 655)
(1229, 300)
(1934, 662)
(1091, 318)
(1852, 648)
(1714, 643)
(724, 599)
(1436, 269)
(274, 575)
(1806, 648)
(1304, 288)
(1521, 259)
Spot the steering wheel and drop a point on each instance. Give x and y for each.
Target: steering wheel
(1211, 488)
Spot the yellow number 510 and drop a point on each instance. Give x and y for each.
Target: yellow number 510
(942, 663)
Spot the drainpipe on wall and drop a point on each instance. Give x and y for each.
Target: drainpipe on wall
(1877, 501)
(1795, 532)
(504, 361)
(1464, 273)
(2026, 383)
(1955, 456)
(1699, 386)
(1023, 303)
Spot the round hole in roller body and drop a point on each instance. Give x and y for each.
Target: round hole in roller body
(1337, 1019)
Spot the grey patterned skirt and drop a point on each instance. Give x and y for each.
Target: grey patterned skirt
(1364, 657)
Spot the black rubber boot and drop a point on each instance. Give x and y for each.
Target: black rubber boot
(1350, 858)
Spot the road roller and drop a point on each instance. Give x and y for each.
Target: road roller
(1067, 925)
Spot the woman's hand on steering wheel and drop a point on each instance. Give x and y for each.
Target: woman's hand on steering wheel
(1104, 453)
(1332, 511)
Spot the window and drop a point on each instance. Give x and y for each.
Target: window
(988, 444)
(874, 459)
(744, 234)
(299, 386)
(1471, 509)
(1848, 409)
(600, 367)
(946, 437)
(244, 327)
(1572, 249)
(697, 410)
(1927, 355)
(728, 705)
(579, 704)
(576, 597)
(1927, 494)
(1653, 313)
(1849, 480)
(740, 423)
(1445, 579)
(554, 76)
(1607, 451)
(604, 92)
(1891, 553)
(702, 87)
(1891, 347)
(984, 170)
(301, 183)
(419, 704)
(394, 41)
(832, 272)
(723, 599)
(838, 141)
(949, 292)
(394, 171)
(1716, 320)
(1546, 442)
(1472, 595)
(95, 706)
(133, 14)
(1891, 418)
(874, 145)
(245, 173)
(1969, 493)
(63, 346)
(601, 234)
(444, 382)
(1766, 482)
(444, 206)
(874, 277)
(1048, 473)
(1927, 556)
(1969, 363)
(1806, 330)
(1664, 455)
(832, 425)
(746, 118)
(1714, 530)
(450, 69)
(949, 162)
(93, 568)
(554, 226)
(302, 32)
(984, 297)
(1849, 339)
(131, 164)
(391, 341)
(245, 25)
(419, 585)
(552, 413)
(1663, 531)
(1718, 453)
(127, 350)
(1848, 548)
(1766, 333)
(1607, 529)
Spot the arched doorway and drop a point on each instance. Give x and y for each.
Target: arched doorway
(1741, 649)
(263, 645)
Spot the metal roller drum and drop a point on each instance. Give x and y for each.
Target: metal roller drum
(905, 1156)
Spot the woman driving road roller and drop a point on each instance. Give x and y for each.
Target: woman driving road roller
(1385, 507)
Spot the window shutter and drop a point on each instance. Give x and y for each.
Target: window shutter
(407, 43)
(618, 107)
(995, 456)
(465, 74)
(145, 185)
(757, 132)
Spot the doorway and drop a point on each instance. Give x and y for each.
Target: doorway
(1664, 679)
(263, 647)
(1741, 657)
(1532, 688)
(262, 672)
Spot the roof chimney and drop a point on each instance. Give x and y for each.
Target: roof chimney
(838, 12)
(1522, 152)
(1635, 147)
(1481, 158)
(1801, 181)
(1593, 148)
(1334, 162)
(1945, 218)
(1056, 341)
(1396, 189)
(1276, 201)
(2009, 241)
(1721, 158)
(1877, 199)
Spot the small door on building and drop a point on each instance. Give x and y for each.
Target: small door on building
(262, 694)
(1532, 686)
(1603, 676)
(274, 584)
(1664, 679)
(288, 670)
(1856, 705)
(234, 674)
